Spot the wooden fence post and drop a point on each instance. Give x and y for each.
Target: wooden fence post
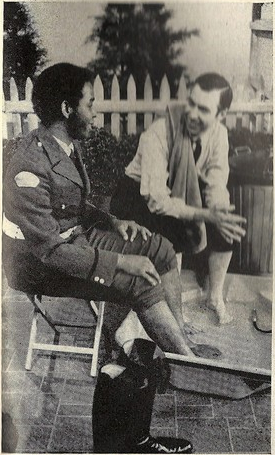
(32, 118)
(131, 96)
(16, 118)
(4, 120)
(148, 96)
(115, 117)
(164, 93)
(99, 96)
(182, 90)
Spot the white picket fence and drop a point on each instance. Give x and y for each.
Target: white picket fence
(248, 110)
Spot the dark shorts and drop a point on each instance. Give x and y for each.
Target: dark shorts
(127, 203)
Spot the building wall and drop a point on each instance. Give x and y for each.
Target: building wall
(261, 57)
(224, 42)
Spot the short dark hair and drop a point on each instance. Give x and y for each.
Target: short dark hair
(58, 83)
(214, 81)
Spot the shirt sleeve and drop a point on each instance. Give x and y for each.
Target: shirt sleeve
(217, 172)
(153, 150)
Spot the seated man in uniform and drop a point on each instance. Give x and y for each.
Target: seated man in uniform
(56, 243)
(176, 184)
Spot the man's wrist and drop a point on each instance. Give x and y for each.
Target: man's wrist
(188, 213)
(206, 215)
(196, 214)
(112, 219)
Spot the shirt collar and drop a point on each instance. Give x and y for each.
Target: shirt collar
(204, 136)
(68, 149)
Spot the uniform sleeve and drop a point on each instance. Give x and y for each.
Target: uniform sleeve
(153, 149)
(94, 215)
(28, 204)
(217, 171)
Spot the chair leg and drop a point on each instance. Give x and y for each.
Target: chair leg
(33, 344)
(94, 307)
(32, 339)
(98, 331)
(55, 341)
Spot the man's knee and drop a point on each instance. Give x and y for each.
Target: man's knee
(162, 254)
(147, 296)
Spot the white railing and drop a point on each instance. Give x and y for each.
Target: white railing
(248, 110)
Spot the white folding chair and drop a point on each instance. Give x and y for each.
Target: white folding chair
(40, 309)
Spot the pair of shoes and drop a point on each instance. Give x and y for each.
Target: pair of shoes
(163, 445)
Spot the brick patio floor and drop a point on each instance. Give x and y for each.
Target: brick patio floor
(51, 406)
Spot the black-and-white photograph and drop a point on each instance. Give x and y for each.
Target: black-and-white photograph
(137, 245)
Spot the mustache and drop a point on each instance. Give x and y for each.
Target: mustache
(193, 123)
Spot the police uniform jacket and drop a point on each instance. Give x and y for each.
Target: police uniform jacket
(45, 198)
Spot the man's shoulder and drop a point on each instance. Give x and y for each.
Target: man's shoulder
(28, 142)
(219, 132)
(29, 151)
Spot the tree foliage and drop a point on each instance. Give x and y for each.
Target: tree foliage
(23, 54)
(137, 39)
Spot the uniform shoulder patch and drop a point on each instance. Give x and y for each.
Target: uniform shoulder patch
(26, 179)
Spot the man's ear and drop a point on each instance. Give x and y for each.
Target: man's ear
(66, 109)
(222, 114)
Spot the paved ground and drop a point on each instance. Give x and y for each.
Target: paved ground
(51, 406)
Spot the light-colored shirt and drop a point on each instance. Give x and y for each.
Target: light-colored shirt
(150, 168)
(68, 149)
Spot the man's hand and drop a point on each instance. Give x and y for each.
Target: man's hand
(228, 223)
(138, 266)
(122, 226)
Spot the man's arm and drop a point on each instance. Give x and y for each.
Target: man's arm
(30, 207)
(153, 150)
(216, 196)
(153, 154)
(216, 170)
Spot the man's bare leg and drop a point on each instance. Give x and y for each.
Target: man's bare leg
(218, 265)
(172, 287)
(162, 327)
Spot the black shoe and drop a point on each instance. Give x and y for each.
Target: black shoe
(163, 445)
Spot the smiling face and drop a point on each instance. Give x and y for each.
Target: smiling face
(81, 120)
(202, 110)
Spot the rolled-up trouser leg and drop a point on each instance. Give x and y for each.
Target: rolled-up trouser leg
(136, 289)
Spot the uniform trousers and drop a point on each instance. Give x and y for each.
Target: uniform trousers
(125, 288)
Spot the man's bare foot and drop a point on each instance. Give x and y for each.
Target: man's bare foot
(189, 328)
(205, 351)
(219, 307)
